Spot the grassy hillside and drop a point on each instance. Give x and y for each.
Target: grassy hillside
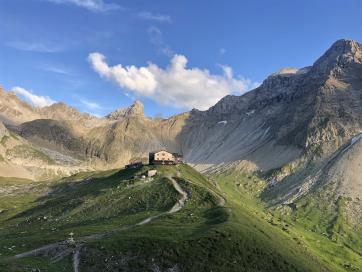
(100, 211)
(323, 221)
(317, 224)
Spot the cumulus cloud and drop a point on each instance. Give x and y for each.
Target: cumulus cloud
(145, 15)
(92, 5)
(35, 100)
(176, 85)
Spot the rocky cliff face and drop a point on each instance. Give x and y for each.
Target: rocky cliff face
(313, 107)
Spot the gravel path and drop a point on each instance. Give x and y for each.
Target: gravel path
(181, 203)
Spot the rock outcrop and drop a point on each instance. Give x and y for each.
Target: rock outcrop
(136, 110)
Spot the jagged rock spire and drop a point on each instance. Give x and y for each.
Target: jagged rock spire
(135, 110)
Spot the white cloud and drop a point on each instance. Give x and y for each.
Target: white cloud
(34, 47)
(54, 69)
(92, 5)
(176, 85)
(145, 15)
(222, 51)
(156, 38)
(35, 100)
(91, 105)
(228, 71)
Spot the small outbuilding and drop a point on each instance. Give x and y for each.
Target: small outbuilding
(178, 157)
(134, 165)
(151, 173)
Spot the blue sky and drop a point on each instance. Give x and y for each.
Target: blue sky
(99, 55)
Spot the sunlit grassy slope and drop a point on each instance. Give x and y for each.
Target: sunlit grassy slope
(206, 235)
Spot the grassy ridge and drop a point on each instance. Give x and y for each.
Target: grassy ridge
(203, 236)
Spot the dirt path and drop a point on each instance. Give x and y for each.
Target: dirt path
(178, 205)
(76, 258)
(62, 249)
(181, 203)
(43, 249)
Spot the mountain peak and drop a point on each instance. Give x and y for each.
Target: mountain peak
(61, 111)
(136, 109)
(340, 55)
(343, 46)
